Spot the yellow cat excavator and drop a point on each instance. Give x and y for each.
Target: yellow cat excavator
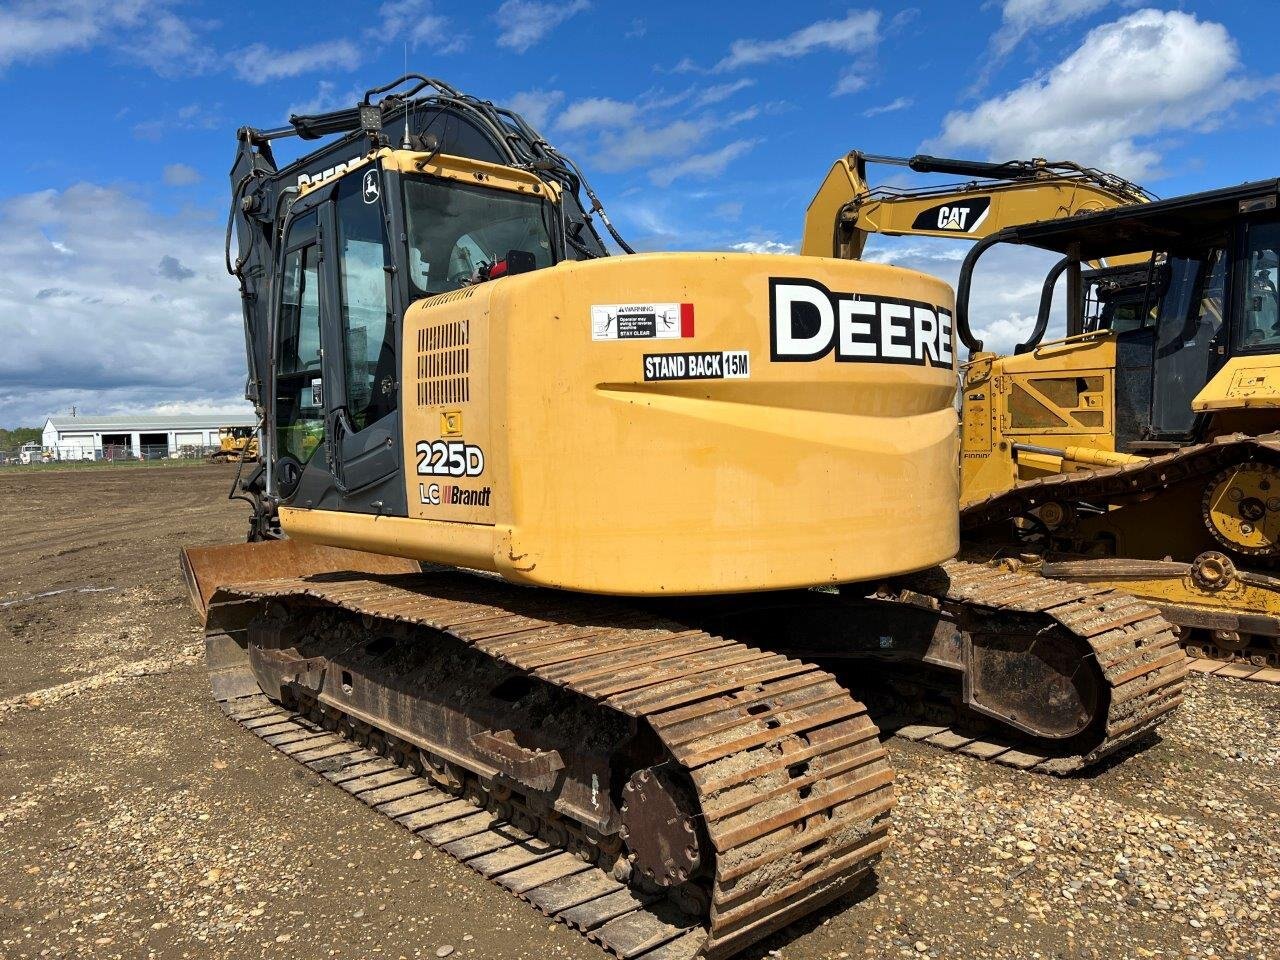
(482, 432)
(847, 209)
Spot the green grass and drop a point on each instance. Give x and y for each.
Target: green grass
(73, 465)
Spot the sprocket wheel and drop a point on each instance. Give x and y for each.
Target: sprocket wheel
(660, 827)
(1241, 509)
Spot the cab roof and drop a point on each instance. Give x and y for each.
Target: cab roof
(1146, 226)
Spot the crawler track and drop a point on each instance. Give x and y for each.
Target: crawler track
(1234, 670)
(1133, 646)
(793, 787)
(1107, 486)
(1109, 483)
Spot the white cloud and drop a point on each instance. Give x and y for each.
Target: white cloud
(898, 103)
(170, 46)
(415, 22)
(858, 32)
(595, 112)
(194, 116)
(181, 175)
(327, 97)
(1144, 75)
(719, 92)
(522, 23)
(1021, 17)
(29, 31)
(703, 164)
(849, 81)
(763, 246)
(620, 135)
(638, 144)
(1006, 287)
(536, 106)
(145, 32)
(259, 63)
(111, 324)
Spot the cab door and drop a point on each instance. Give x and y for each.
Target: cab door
(298, 462)
(362, 395)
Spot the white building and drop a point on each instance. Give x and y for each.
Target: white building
(125, 436)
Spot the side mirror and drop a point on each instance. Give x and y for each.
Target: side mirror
(521, 261)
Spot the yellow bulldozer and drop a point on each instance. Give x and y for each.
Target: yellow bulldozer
(1140, 450)
(537, 533)
(235, 443)
(1071, 447)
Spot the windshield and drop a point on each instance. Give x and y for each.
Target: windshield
(455, 228)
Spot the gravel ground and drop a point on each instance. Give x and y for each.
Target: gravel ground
(135, 821)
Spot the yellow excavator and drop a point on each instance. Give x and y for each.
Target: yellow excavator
(847, 209)
(536, 532)
(1103, 399)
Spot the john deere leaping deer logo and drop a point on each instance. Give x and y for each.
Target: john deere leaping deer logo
(371, 186)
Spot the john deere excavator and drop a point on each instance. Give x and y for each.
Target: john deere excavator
(1141, 451)
(482, 432)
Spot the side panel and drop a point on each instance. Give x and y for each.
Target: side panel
(636, 469)
(448, 390)
(1060, 394)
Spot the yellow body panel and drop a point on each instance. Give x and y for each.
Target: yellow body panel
(593, 478)
(1243, 383)
(1061, 394)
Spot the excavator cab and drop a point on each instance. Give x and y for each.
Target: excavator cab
(1155, 358)
(359, 247)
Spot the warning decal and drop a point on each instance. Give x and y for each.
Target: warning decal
(704, 365)
(642, 321)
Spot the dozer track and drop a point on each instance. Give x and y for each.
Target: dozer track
(1130, 644)
(1107, 484)
(754, 789)
(1131, 479)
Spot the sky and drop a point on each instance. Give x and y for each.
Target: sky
(703, 126)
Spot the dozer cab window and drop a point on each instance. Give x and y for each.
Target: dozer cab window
(299, 400)
(454, 229)
(1187, 327)
(1258, 329)
(368, 332)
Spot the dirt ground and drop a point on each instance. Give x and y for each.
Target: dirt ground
(135, 821)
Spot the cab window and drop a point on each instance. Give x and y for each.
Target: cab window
(1259, 314)
(299, 399)
(364, 284)
(455, 228)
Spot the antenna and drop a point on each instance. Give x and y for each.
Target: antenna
(408, 107)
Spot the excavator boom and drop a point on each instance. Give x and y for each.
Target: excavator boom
(847, 209)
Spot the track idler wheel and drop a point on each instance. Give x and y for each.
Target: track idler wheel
(660, 827)
(1241, 509)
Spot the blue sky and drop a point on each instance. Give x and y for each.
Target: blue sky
(703, 126)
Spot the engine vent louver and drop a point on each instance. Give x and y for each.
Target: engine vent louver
(444, 363)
